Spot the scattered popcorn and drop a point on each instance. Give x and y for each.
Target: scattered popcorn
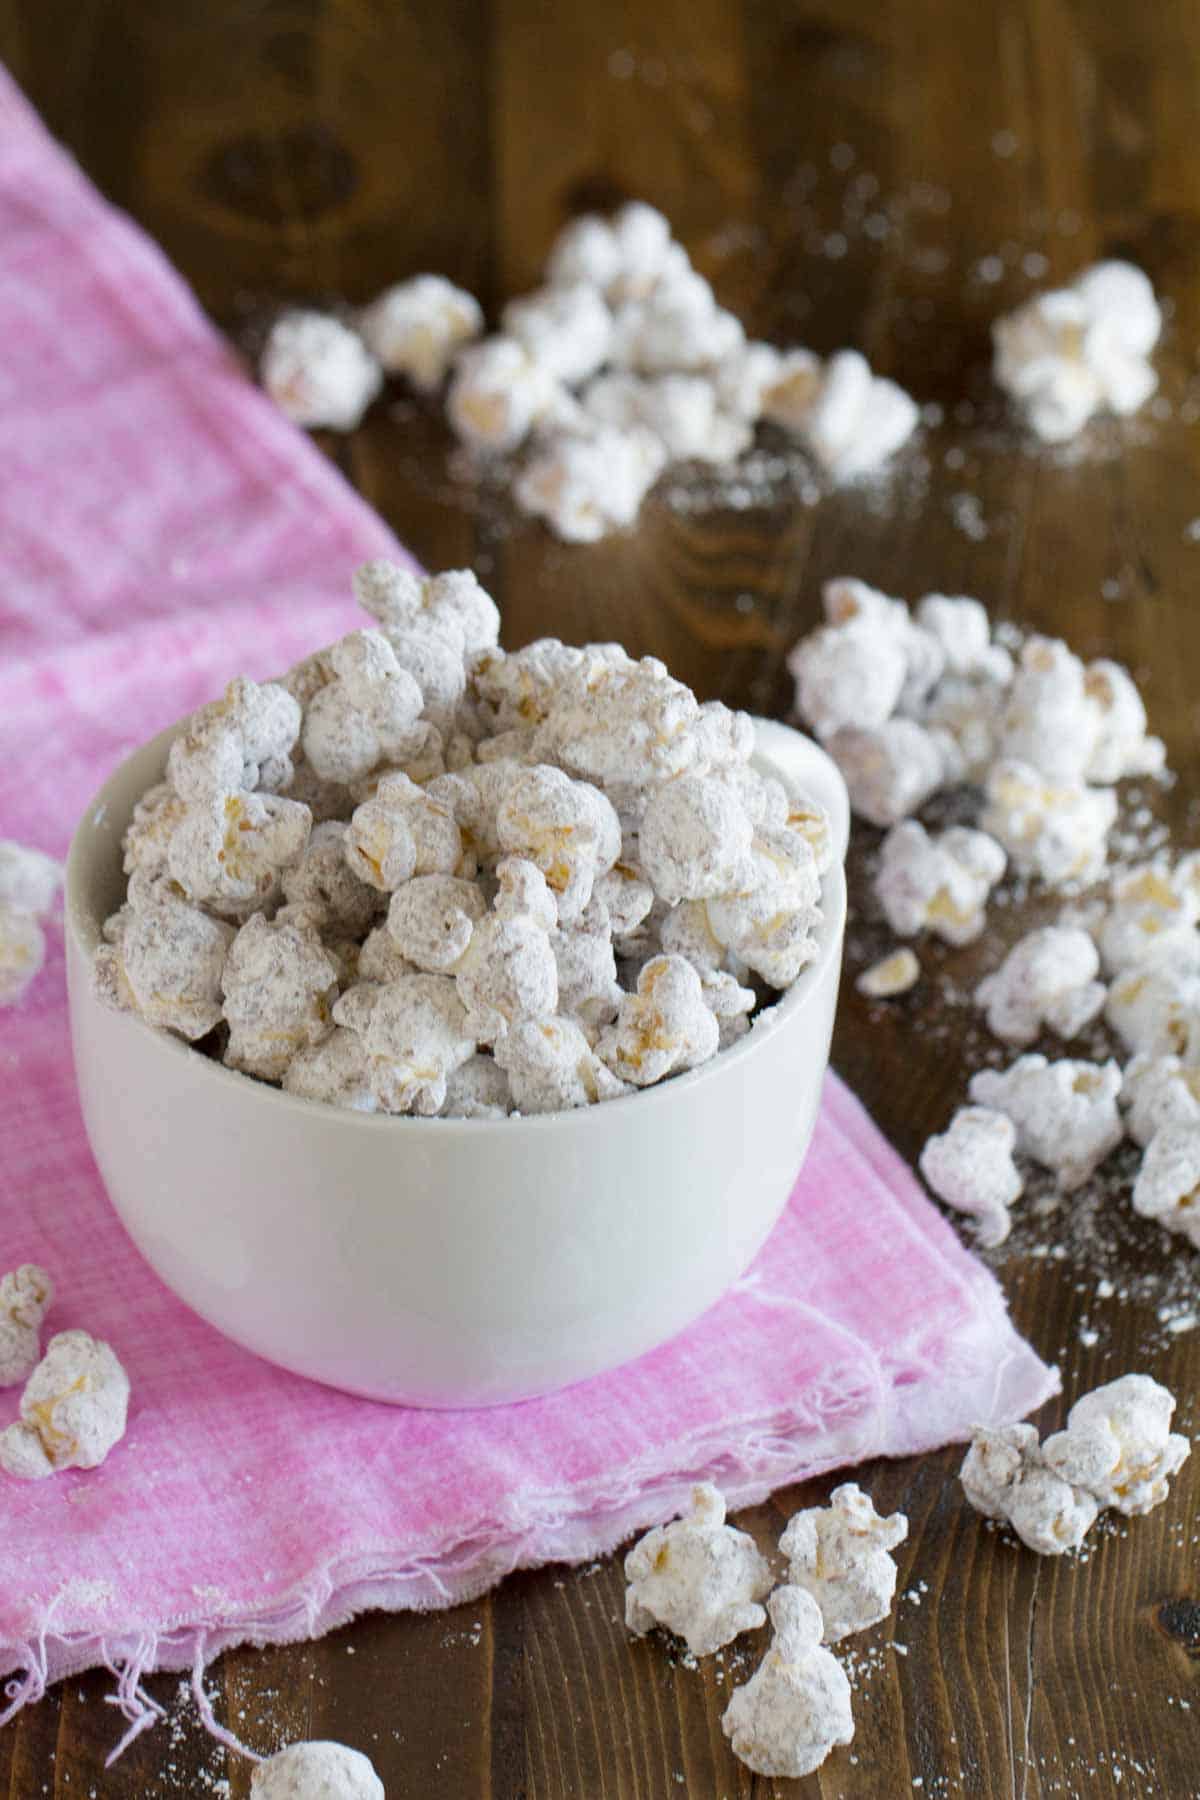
(1119, 1446)
(1168, 1183)
(319, 372)
(586, 487)
(796, 1706)
(664, 1028)
(1158, 1091)
(417, 327)
(682, 411)
(1155, 1008)
(847, 676)
(963, 631)
(1004, 1477)
(29, 881)
(497, 395)
(22, 953)
(891, 976)
(677, 325)
(1050, 722)
(970, 1167)
(566, 328)
(939, 884)
(1121, 747)
(1046, 982)
(698, 1577)
(73, 1409)
(315, 1771)
(1065, 1112)
(890, 770)
(855, 420)
(625, 256)
(414, 1032)
(743, 378)
(1059, 834)
(279, 984)
(1152, 912)
(1073, 352)
(26, 1296)
(839, 1554)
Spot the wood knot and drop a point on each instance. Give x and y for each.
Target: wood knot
(1180, 1620)
(298, 172)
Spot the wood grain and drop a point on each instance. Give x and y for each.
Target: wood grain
(854, 171)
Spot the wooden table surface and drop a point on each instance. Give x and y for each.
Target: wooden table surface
(847, 171)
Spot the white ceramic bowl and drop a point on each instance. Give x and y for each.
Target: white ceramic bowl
(445, 1262)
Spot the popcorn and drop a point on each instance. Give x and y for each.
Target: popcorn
(626, 726)
(231, 850)
(730, 1004)
(1158, 1091)
(1004, 1477)
(567, 828)
(938, 884)
(848, 675)
(677, 326)
(516, 689)
(417, 327)
(566, 328)
(588, 989)
(1155, 1008)
(552, 1067)
(697, 1577)
(26, 1296)
(415, 1034)
(319, 372)
(238, 743)
(473, 796)
(796, 1706)
(498, 392)
(1050, 722)
(892, 975)
(1046, 982)
(847, 600)
(1065, 1112)
(1168, 1183)
(664, 1028)
(335, 1071)
(315, 1771)
(1058, 833)
(166, 962)
(324, 883)
(743, 378)
(771, 923)
(73, 1409)
(1121, 747)
(1073, 352)
(890, 771)
(625, 257)
(621, 901)
(1118, 1445)
(22, 953)
(964, 713)
(971, 1167)
(380, 959)
(450, 605)
(279, 984)
(839, 1554)
(682, 411)
(403, 832)
(1152, 913)
(585, 487)
(790, 392)
(29, 881)
(477, 1089)
(850, 419)
(509, 972)
(432, 918)
(963, 631)
(695, 840)
(364, 716)
(148, 835)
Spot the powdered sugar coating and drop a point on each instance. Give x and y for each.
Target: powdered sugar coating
(366, 714)
(552, 1066)
(970, 1166)
(1005, 1477)
(891, 770)
(26, 1296)
(22, 953)
(316, 1771)
(1057, 832)
(404, 831)
(1158, 1091)
(588, 486)
(243, 742)
(319, 372)
(1065, 1112)
(509, 972)
(1167, 1188)
(697, 1577)
(279, 984)
(497, 394)
(73, 1409)
(166, 962)
(414, 1032)
(1046, 982)
(1119, 1446)
(336, 1071)
(29, 879)
(939, 884)
(431, 919)
(568, 829)
(665, 1027)
(451, 604)
(839, 1554)
(795, 1708)
(695, 840)
(566, 328)
(416, 327)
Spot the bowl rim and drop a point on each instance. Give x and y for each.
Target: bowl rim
(83, 927)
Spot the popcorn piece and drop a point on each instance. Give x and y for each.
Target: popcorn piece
(366, 714)
(788, 398)
(166, 963)
(621, 900)
(415, 1034)
(552, 1067)
(1051, 722)
(450, 605)
(497, 395)
(1005, 1477)
(417, 327)
(839, 1554)
(1158, 1091)
(1122, 747)
(1065, 1112)
(238, 743)
(695, 840)
(319, 372)
(664, 1028)
(677, 326)
(335, 1071)
(26, 1296)
(846, 676)
(404, 831)
(892, 975)
(971, 1168)
(1155, 1008)
(681, 410)
(588, 988)
(730, 1004)
(891, 770)
(279, 984)
(1168, 1183)
(567, 828)
(1153, 911)
(745, 376)
(324, 882)
(847, 600)
(796, 1706)
(379, 959)
(1046, 982)
(585, 487)
(962, 629)
(626, 726)
(431, 920)
(771, 924)
(1070, 353)
(697, 1577)
(964, 712)
(850, 419)
(509, 972)
(231, 851)
(516, 689)
(625, 257)
(566, 328)
(149, 832)
(1119, 1446)
(29, 880)
(22, 953)
(1056, 833)
(73, 1409)
(939, 884)
(477, 1089)
(316, 1771)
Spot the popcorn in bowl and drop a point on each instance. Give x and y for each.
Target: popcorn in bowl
(539, 881)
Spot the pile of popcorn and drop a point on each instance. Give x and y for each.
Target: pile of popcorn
(622, 363)
(75, 1397)
(910, 704)
(419, 875)
(29, 882)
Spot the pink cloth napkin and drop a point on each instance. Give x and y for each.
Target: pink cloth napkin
(162, 528)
